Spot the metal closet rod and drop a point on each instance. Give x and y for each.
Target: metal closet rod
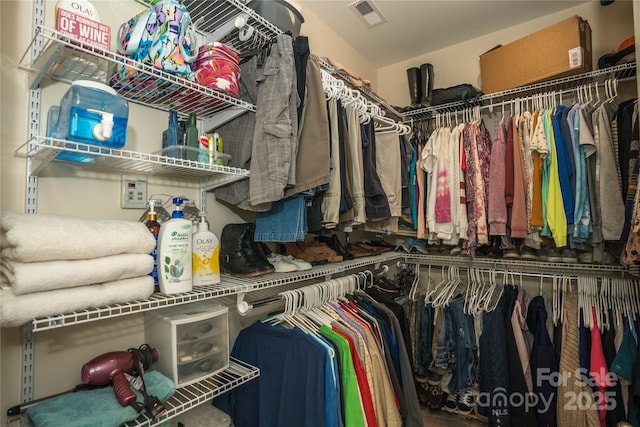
(512, 270)
(366, 108)
(371, 97)
(530, 98)
(625, 71)
(245, 307)
(510, 273)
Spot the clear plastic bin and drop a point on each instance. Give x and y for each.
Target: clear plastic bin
(192, 341)
(181, 152)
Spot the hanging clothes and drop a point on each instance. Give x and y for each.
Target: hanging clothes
(376, 203)
(331, 202)
(356, 169)
(347, 203)
(539, 150)
(542, 361)
(388, 158)
(456, 190)
(312, 151)
(519, 225)
(582, 206)
(238, 138)
(280, 397)
(565, 170)
(353, 351)
(629, 142)
(497, 206)
(556, 219)
(494, 378)
(421, 185)
(349, 379)
(524, 133)
(276, 131)
(568, 415)
(520, 382)
(608, 192)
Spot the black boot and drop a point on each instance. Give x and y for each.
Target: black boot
(260, 248)
(426, 84)
(238, 255)
(413, 77)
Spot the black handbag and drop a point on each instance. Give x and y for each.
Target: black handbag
(462, 92)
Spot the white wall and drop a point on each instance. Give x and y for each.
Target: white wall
(460, 63)
(324, 42)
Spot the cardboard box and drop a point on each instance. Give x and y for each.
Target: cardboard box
(557, 51)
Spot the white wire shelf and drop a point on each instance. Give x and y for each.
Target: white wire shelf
(65, 59)
(517, 266)
(228, 286)
(402, 231)
(561, 85)
(211, 16)
(202, 392)
(188, 397)
(44, 150)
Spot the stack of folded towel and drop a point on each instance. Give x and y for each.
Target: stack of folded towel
(52, 264)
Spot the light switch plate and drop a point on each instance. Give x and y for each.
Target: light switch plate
(133, 193)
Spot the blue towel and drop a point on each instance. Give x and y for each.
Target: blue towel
(95, 408)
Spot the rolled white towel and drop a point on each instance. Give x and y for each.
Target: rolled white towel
(36, 237)
(15, 310)
(29, 277)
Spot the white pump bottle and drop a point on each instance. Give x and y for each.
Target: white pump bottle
(206, 254)
(174, 253)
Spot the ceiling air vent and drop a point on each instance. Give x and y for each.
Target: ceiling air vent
(368, 12)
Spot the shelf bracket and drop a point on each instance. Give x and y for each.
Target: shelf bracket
(212, 123)
(242, 306)
(237, 22)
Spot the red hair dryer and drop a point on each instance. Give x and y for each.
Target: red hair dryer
(110, 368)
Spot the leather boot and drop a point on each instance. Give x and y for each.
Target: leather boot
(238, 256)
(260, 248)
(413, 77)
(426, 84)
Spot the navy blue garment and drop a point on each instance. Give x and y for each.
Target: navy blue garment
(301, 54)
(314, 212)
(494, 376)
(564, 166)
(376, 203)
(414, 415)
(425, 354)
(406, 152)
(384, 322)
(399, 311)
(566, 136)
(627, 134)
(543, 364)
(290, 389)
